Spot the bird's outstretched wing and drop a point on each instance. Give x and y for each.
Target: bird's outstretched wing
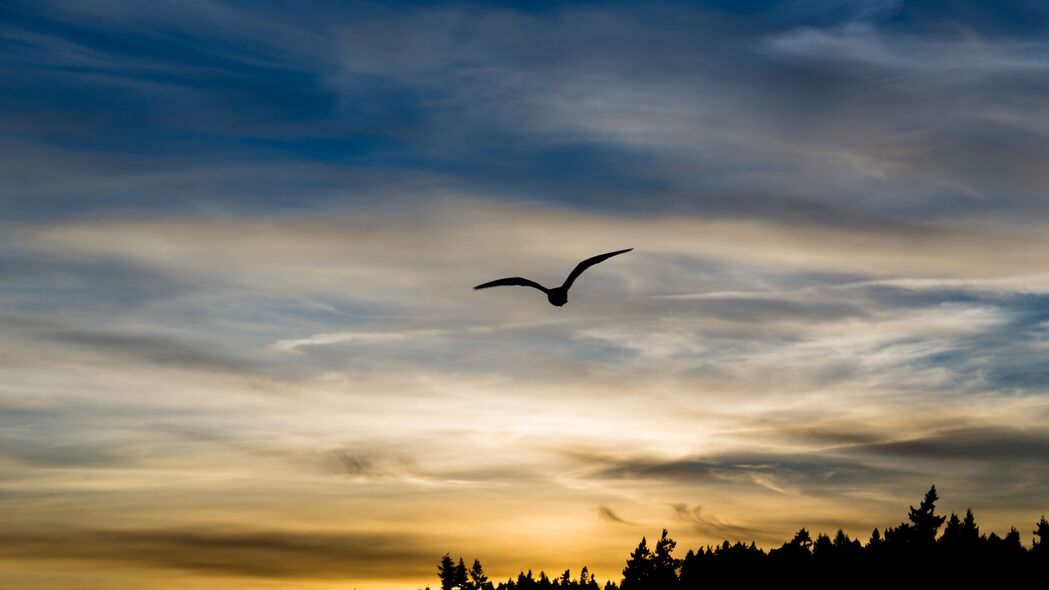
(512, 281)
(578, 270)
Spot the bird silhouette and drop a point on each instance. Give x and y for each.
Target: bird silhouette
(558, 295)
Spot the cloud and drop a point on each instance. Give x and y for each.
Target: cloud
(711, 526)
(973, 444)
(155, 348)
(862, 44)
(51, 455)
(232, 551)
(780, 473)
(467, 106)
(347, 337)
(606, 513)
(247, 252)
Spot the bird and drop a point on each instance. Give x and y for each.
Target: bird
(557, 296)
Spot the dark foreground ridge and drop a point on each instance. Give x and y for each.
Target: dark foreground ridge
(911, 554)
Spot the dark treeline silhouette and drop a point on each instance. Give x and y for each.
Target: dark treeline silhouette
(912, 553)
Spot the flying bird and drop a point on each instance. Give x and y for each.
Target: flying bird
(558, 295)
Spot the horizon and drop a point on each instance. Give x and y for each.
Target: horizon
(948, 549)
(240, 345)
(941, 541)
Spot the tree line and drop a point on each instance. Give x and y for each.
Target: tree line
(915, 552)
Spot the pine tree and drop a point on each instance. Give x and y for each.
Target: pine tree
(637, 575)
(823, 548)
(802, 539)
(875, 539)
(478, 580)
(899, 536)
(446, 571)
(1012, 539)
(1040, 547)
(664, 566)
(952, 533)
(970, 531)
(846, 549)
(587, 580)
(924, 519)
(460, 575)
(793, 553)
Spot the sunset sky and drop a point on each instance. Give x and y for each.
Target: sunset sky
(239, 346)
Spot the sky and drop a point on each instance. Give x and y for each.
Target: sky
(239, 346)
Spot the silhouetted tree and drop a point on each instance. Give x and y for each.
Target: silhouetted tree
(1005, 552)
(802, 539)
(793, 556)
(842, 540)
(692, 569)
(544, 582)
(638, 573)
(1040, 548)
(797, 548)
(1012, 541)
(664, 566)
(970, 530)
(478, 579)
(924, 520)
(875, 538)
(586, 580)
(459, 578)
(952, 533)
(823, 548)
(446, 572)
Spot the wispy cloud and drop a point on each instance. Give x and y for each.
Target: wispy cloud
(710, 525)
(608, 514)
(257, 553)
